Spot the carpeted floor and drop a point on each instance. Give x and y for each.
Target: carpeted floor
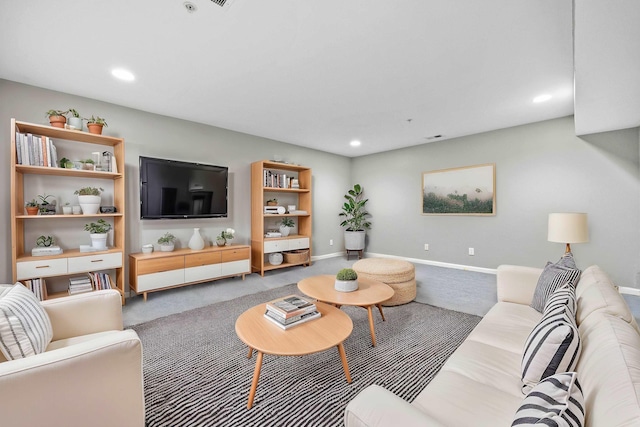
(197, 374)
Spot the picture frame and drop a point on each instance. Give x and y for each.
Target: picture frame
(469, 190)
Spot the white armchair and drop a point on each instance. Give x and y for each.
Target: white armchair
(90, 374)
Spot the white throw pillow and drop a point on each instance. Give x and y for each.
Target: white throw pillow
(555, 401)
(25, 328)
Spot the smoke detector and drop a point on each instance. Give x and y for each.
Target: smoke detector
(190, 7)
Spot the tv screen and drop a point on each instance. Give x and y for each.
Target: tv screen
(171, 189)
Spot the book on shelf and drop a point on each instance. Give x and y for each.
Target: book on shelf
(37, 286)
(35, 150)
(273, 179)
(80, 284)
(290, 306)
(303, 318)
(100, 280)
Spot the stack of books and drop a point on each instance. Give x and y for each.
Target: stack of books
(100, 280)
(290, 311)
(80, 284)
(37, 286)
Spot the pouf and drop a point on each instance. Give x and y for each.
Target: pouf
(399, 274)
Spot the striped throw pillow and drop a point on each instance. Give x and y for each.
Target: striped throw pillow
(552, 346)
(555, 401)
(554, 276)
(25, 328)
(563, 296)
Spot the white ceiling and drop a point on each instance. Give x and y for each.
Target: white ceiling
(310, 73)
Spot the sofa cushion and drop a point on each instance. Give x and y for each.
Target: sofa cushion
(555, 401)
(553, 346)
(25, 329)
(554, 276)
(563, 296)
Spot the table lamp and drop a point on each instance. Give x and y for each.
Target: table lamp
(568, 228)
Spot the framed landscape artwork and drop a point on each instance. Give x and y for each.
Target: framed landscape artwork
(468, 190)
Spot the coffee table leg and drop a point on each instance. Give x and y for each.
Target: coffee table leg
(250, 353)
(256, 376)
(345, 365)
(381, 313)
(373, 331)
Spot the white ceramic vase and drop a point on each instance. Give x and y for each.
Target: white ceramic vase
(196, 242)
(284, 230)
(99, 241)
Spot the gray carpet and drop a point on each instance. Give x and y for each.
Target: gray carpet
(196, 371)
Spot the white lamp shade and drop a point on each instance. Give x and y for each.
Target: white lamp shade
(568, 228)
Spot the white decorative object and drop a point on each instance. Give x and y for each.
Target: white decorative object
(346, 285)
(168, 247)
(196, 242)
(67, 210)
(147, 249)
(99, 241)
(275, 258)
(89, 204)
(284, 230)
(76, 209)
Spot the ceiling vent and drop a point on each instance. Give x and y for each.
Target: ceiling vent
(222, 3)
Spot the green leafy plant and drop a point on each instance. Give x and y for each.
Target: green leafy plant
(74, 113)
(43, 199)
(287, 222)
(66, 163)
(354, 210)
(167, 238)
(90, 161)
(347, 274)
(99, 227)
(31, 203)
(227, 234)
(52, 113)
(97, 120)
(89, 191)
(274, 201)
(45, 241)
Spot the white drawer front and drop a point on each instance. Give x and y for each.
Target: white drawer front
(149, 282)
(95, 262)
(301, 243)
(203, 272)
(276, 246)
(44, 268)
(236, 267)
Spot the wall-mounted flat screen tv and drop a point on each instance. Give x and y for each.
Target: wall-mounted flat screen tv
(171, 189)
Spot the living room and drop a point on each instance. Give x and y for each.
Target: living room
(541, 167)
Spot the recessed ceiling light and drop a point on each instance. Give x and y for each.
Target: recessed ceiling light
(542, 98)
(122, 74)
(355, 143)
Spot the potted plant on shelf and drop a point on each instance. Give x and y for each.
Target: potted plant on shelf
(166, 242)
(67, 209)
(346, 280)
(66, 163)
(286, 225)
(272, 202)
(46, 207)
(95, 124)
(98, 232)
(57, 118)
(89, 199)
(32, 207)
(45, 241)
(355, 219)
(225, 236)
(75, 121)
(88, 164)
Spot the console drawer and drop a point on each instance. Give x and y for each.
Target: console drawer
(94, 262)
(43, 268)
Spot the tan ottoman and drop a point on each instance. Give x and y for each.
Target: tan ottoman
(400, 275)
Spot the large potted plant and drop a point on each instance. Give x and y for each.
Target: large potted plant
(98, 232)
(57, 118)
(89, 199)
(355, 219)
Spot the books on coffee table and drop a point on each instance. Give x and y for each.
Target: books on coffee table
(283, 324)
(291, 310)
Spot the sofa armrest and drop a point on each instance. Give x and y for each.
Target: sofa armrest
(97, 382)
(517, 283)
(85, 314)
(377, 407)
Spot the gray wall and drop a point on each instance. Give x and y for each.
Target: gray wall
(540, 168)
(158, 136)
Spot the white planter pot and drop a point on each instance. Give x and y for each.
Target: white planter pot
(354, 240)
(167, 247)
(89, 204)
(99, 241)
(67, 210)
(346, 285)
(284, 230)
(76, 122)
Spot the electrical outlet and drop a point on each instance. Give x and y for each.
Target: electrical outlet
(330, 242)
(472, 251)
(426, 246)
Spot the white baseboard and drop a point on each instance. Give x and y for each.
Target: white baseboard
(416, 261)
(629, 291)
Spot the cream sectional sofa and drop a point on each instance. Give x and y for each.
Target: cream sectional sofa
(89, 375)
(480, 384)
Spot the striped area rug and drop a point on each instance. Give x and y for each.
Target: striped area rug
(196, 371)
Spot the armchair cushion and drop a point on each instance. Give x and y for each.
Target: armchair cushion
(25, 328)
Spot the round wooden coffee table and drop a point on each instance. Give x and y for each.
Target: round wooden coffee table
(329, 330)
(370, 293)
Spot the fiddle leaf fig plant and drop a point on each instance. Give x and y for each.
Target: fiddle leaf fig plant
(354, 210)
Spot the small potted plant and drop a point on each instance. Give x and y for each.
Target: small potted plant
(57, 118)
(98, 232)
(46, 207)
(32, 207)
(75, 121)
(89, 199)
(66, 163)
(272, 202)
(166, 242)
(45, 241)
(225, 236)
(346, 280)
(88, 164)
(286, 225)
(95, 124)
(67, 209)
